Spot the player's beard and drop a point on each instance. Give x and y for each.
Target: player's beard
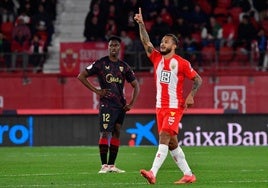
(167, 51)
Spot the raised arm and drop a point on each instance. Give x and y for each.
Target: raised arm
(148, 46)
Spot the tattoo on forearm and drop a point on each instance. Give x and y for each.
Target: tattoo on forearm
(196, 85)
(144, 35)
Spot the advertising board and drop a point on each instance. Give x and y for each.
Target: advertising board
(195, 130)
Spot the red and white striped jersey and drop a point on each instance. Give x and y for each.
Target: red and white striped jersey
(170, 75)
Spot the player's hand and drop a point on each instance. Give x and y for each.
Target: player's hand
(103, 92)
(189, 101)
(138, 17)
(127, 107)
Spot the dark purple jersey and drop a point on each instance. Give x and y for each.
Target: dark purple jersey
(112, 76)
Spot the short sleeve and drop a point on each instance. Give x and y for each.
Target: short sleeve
(130, 75)
(92, 69)
(189, 72)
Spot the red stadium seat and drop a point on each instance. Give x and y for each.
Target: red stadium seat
(235, 12)
(224, 3)
(148, 25)
(205, 6)
(196, 36)
(7, 28)
(241, 55)
(225, 54)
(220, 11)
(208, 54)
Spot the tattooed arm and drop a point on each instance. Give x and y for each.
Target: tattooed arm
(148, 46)
(197, 82)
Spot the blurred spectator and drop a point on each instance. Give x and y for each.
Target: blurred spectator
(95, 21)
(110, 28)
(95, 9)
(254, 19)
(244, 4)
(185, 8)
(216, 32)
(181, 28)
(261, 7)
(7, 28)
(166, 16)
(197, 17)
(150, 9)
(127, 9)
(131, 27)
(42, 24)
(37, 53)
(27, 18)
(191, 50)
(112, 12)
(198, 23)
(5, 51)
(8, 10)
(21, 36)
(108, 10)
(93, 30)
(49, 7)
(28, 7)
(262, 48)
(228, 32)
(158, 30)
(212, 33)
(126, 40)
(93, 3)
(171, 8)
(245, 34)
(185, 5)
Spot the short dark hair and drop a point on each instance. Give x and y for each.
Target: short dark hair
(174, 38)
(115, 38)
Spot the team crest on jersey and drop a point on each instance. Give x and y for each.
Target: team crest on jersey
(107, 67)
(172, 113)
(173, 66)
(105, 125)
(121, 68)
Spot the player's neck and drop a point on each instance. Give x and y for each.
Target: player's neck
(113, 58)
(169, 55)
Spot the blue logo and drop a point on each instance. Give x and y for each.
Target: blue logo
(18, 134)
(143, 131)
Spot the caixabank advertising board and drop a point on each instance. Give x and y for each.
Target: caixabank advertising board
(72, 130)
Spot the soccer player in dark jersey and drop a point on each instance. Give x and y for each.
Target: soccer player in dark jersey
(112, 74)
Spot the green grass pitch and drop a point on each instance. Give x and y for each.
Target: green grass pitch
(78, 167)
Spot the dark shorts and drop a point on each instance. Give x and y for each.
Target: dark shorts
(108, 117)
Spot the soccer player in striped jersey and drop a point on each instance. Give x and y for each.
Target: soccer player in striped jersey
(170, 71)
(112, 73)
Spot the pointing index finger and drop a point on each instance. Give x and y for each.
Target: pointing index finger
(139, 10)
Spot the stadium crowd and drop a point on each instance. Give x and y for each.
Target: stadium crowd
(26, 29)
(209, 30)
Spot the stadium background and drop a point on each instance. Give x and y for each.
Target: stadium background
(58, 105)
